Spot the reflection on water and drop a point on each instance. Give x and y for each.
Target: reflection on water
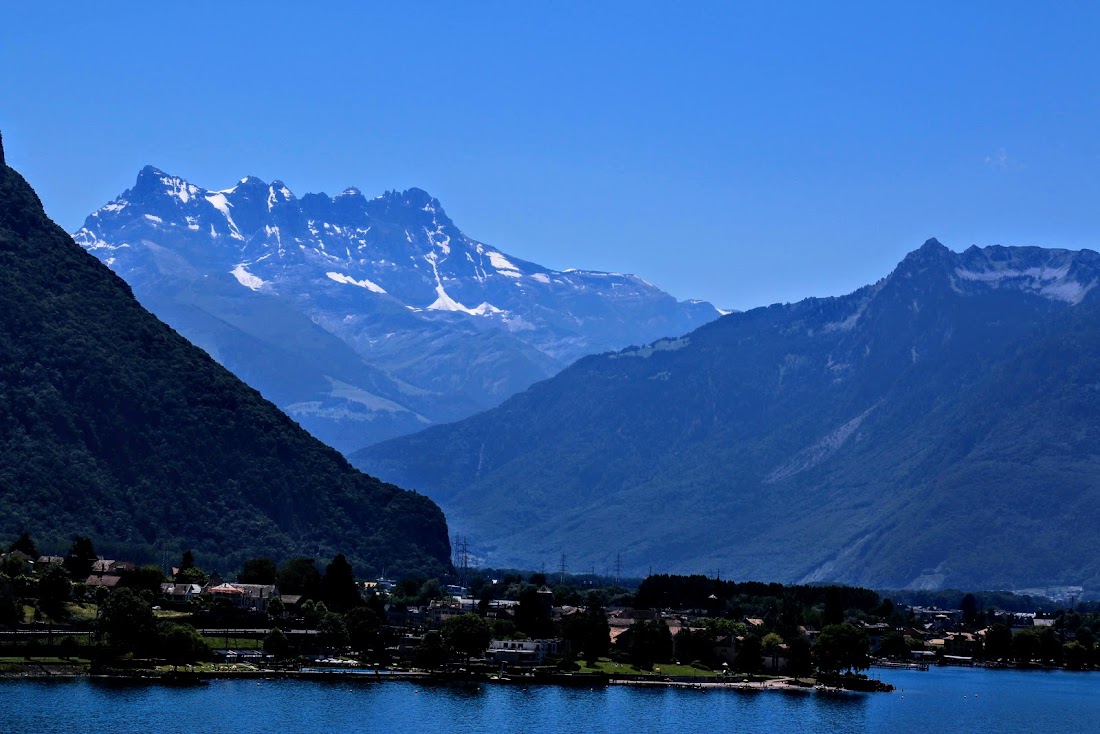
(975, 701)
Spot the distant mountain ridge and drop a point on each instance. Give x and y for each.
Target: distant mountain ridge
(114, 426)
(429, 324)
(936, 428)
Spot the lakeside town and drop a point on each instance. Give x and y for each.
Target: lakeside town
(82, 614)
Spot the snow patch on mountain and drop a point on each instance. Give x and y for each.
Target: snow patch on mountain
(247, 279)
(1054, 283)
(502, 264)
(364, 283)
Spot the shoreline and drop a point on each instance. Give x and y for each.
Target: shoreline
(565, 680)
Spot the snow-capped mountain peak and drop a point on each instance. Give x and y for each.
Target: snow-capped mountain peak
(381, 273)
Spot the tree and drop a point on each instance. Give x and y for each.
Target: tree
(313, 612)
(841, 646)
(54, 588)
(749, 655)
(467, 634)
(81, 558)
(188, 572)
(338, 587)
(772, 644)
(258, 571)
(181, 643)
(364, 626)
(145, 578)
(894, 646)
(332, 632)
(998, 642)
(127, 620)
(25, 545)
(300, 576)
(694, 644)
(431, 653)
(971, 612)
(596, 633)
(649, 642)
(11, 611)
(531, 616)
(1075, 654)
(799, 657)
(1026, 646)
(278, 644)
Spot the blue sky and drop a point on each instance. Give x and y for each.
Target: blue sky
(743, 153)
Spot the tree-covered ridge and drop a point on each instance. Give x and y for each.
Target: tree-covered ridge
(113, 425)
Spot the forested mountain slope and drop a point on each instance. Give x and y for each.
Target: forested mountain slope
(938, 427)
(114, 426)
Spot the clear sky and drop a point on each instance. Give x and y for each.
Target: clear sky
(745, 153)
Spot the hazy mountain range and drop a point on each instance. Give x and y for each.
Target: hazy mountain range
(937, 428)
(363, 318)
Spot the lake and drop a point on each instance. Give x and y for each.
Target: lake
(943, 699)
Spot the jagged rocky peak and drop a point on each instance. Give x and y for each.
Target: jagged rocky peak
(2, 163)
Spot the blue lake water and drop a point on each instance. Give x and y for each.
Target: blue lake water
(975, 701)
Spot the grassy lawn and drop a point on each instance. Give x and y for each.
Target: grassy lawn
(604, 665)
(43, 661)
(170, 614)
(217, 642)
(82, 612)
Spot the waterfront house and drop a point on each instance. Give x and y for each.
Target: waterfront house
(522, 652)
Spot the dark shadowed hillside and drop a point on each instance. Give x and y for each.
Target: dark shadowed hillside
(113, 425)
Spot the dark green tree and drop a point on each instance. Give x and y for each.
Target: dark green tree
(596, 639)
(894, 646)
(799, 657)
(25, 545)
(364, 629)
(841, 647)
(258, 571)
(181, 643)
(649, 642)
(750, 655)
(11, 611)
(531, 615)
(695, 644)
(332, 632)
(339, 589)
(145, 578)
(300, 576)
(81, 557)
(970, 610)
(1075, 655)
(431, 653)
(467, 634)
(277, 644)
(127, 621)
(1026, 646)
(998, 643)
(54, 589)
